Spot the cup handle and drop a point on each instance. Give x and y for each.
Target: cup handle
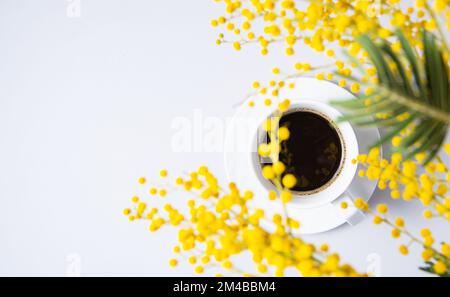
(351, 214)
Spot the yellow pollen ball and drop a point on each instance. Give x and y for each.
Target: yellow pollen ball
(447, 148)
(403, 249)
(199, 269)
(230, 26)
(427, 254)
(173, 262)
(163, 173)
(268, 172)
(283, 106)
(278, 167)
(290, 51)
(445, 249)
(355, 88)
(272, 195)
(395, 233)
(427, 214)
(283, 133)
(227, 265)
(264, 150)
(440, 267)
(395, 194)
(396, 141)
(324, 247)
(377, 220)
(289, 181)
(425, 232)
(399, 222)
(205, 259)
(360, 204)
(382, 208)
(141, 180)
(262, 268)
(248, 195)
(192, 260)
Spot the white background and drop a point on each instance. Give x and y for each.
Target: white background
(86, 106)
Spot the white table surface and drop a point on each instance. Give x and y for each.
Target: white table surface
(86, 106)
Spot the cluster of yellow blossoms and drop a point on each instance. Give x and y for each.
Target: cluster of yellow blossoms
(326, 25)
(220, 224)
(435, 256)
(321, 24)
(404, 181)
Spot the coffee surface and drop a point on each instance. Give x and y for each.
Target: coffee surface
(313, 151)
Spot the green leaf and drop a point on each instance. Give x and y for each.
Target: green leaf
(405, 84)
(353, 103)
(436, 72)
(430, 138)
(393, 132)
(417, 134)
(378, 107)
(424, 95)
(381, 122)
(384, 73)
(411, 56)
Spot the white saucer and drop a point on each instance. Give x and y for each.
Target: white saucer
(240, 147)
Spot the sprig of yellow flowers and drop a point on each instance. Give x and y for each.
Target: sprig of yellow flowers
(437, 260)
(403, 181)
(325, 25)
(220, 223)
(320, 24)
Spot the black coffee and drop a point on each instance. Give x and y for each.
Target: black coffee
(313, 151)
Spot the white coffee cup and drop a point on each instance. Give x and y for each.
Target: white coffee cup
(336, 187)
